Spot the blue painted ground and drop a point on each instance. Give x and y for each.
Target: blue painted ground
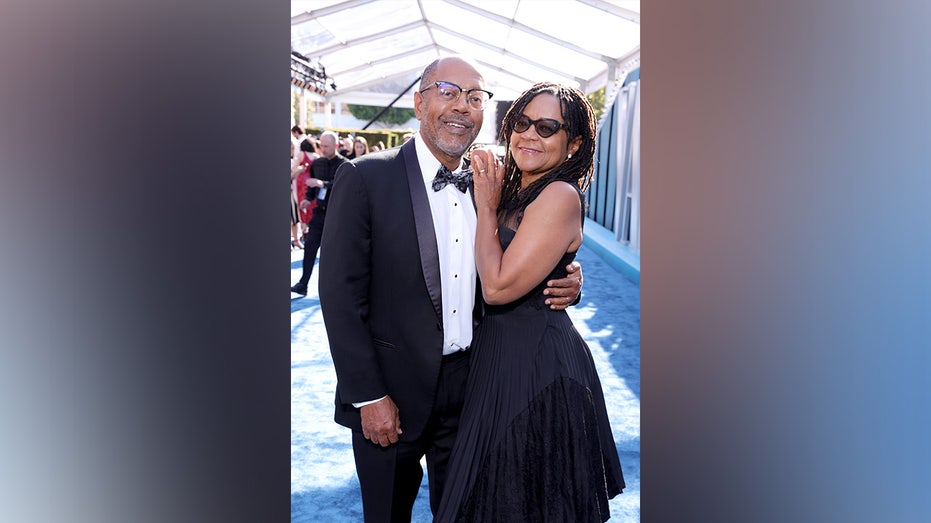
(324, 487)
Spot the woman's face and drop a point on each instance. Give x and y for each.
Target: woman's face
(534, 154)
(359, 148)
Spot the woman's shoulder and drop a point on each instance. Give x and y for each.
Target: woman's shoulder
(557, 201)
(559, 192)
(561, 186)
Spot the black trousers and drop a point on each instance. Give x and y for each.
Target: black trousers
(390, 476)
(312, 243)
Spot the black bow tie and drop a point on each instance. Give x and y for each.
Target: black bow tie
(445, 177)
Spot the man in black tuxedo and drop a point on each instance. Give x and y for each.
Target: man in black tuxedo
(322, 172)
(398, 293)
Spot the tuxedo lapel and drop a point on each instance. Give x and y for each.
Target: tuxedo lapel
(423, 220)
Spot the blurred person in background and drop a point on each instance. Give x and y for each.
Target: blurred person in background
(345, 148)
(298, 134)
(300, 177)
(322, 173)
(360, 146)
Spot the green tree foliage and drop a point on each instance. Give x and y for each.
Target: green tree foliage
(395, 115)
(597, 99)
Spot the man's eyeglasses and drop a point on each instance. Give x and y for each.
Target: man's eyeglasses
(545, 127)
(450, 93)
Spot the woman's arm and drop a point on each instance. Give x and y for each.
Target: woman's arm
(550, 227)
(297, 166)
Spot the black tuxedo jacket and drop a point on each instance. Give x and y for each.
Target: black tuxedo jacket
(325, 169)
(380, 288)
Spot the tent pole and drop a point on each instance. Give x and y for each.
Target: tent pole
(383, 111)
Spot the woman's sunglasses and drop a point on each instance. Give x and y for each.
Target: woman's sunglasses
(545, 127)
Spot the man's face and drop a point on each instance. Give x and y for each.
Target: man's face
(449, 128)
(328, 146)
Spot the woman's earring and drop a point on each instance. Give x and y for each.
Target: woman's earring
(569, 157)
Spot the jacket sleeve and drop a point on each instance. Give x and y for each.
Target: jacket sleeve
(345, 276)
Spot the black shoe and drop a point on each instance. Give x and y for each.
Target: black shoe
(299, 288)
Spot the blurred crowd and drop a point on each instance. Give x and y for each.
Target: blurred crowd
(305, 149)
(307, 182)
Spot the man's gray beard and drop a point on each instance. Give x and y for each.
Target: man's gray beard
(454, 152)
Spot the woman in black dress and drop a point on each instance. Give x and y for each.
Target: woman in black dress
(534, 443)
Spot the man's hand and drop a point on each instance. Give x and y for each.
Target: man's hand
(563, 292)
(380, 422)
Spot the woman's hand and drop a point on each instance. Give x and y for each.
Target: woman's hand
(487, 176)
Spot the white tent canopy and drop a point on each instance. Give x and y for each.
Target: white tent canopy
(373, 50)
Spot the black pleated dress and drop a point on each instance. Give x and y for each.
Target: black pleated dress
(534, 443)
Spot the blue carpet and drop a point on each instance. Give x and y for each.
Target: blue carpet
(324, 486)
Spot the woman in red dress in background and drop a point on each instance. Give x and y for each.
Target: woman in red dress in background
(300, 173)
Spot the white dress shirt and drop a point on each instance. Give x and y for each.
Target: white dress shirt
(454, 223)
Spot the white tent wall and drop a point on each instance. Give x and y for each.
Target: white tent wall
(613, 215)
(626, 163)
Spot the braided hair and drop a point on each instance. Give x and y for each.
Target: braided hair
(579, 117)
